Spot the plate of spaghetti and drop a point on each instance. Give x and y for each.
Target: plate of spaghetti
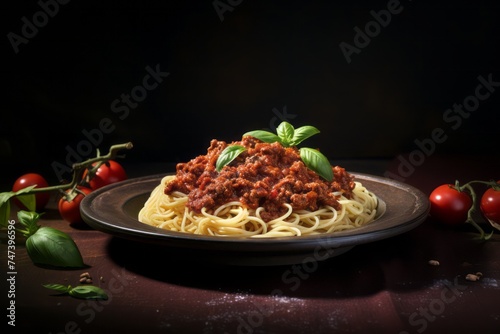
(257, 201)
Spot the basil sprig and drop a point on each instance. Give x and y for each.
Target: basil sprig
(287, 136)
(227, 155)
(48, 246)
(81, 291)
(316, 161)
(28, 200)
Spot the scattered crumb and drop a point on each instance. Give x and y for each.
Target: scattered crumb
(433, 262)
(85, 274)
(474, 277)
(85, 278)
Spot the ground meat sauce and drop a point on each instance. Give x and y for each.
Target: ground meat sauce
(264, 175)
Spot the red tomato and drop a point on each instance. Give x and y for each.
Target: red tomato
(70, 210)
(448, 205)
(30, 179)
(490, 205)
(109, 172)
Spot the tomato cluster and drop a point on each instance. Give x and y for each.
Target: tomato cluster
(93, 178)
(107, 173)
(452, 204)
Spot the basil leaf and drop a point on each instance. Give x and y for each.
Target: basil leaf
(5, 203)
(20, 192)
(5, 197)
(28, 219)
(88, 292)
(82, 291)
(265, 136)
(316, 161)
(29, 201)
(302, 134)
(48, 246)
(58, 287)
(4, 212)
(227, 155)
(285, 131)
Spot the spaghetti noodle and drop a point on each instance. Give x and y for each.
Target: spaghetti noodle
(170, 212)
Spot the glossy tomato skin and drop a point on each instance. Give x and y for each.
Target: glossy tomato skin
(490, 205)
(30, 179)
(70, 210)
(448, 205)
(109, 172)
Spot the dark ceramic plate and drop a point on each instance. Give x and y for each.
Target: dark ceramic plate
(113, 209)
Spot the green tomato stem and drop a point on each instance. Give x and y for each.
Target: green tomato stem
(468, 187)
(79, 169)
(491, 184)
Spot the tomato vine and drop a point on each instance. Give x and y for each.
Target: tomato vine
(48, 246)
(457, 203)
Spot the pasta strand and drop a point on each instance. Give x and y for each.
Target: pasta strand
(169, 212)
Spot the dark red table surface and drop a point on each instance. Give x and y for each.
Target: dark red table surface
(386, 286)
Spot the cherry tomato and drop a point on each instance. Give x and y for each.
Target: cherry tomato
(490, 205)
(109, 172)
(30, 179)
(70, 210)
(448, 205)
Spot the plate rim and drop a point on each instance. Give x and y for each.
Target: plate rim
(147, 233)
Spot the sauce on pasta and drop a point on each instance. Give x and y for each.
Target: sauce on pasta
(265, 175)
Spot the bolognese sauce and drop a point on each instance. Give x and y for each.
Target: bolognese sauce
(265, 175)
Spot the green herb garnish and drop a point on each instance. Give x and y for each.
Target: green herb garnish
(81, 291)
(26, 200)
(229, 154)
(316, 161)
(46, 245)
(287, 136)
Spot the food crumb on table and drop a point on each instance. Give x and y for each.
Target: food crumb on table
(474, 277)
(433, 262)
(85, 278)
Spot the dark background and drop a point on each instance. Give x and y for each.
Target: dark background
(226, 77)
